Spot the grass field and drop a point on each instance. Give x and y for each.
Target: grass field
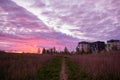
(50, 71)
(21, 66)
(75, 73)
(103, 66)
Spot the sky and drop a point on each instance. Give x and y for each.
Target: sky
(26, 25)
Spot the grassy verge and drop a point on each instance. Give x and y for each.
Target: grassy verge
(50, 71)
(74, 73)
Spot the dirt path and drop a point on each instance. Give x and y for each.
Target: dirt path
(63, 75)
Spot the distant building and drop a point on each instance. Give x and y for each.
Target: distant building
(113, 45)
(87, 47)
(83, 46)
(97, 46)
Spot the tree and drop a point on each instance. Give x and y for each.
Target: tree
(44, 51)
(48, 51)
(1, 51)
(78, 51)
(51, 51)
(66, 50)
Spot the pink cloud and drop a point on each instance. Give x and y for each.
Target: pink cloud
(26, 25)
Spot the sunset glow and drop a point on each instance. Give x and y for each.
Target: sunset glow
(26, 25)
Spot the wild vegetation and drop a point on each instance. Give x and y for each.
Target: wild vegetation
(21, 66)
(104, 66)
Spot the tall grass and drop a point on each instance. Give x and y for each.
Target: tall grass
(105, 66)
(21, 66)
(75, 73)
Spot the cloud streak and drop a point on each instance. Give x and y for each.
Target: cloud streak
(64, 22)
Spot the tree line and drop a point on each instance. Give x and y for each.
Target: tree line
(54, 51)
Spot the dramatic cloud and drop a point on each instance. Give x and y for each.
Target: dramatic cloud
(49, 23)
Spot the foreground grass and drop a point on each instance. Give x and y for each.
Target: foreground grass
(29, 67)
(15, 66)
(50, 71)
(74, 73)
(103, 66)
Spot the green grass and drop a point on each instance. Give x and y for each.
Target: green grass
(50, 71)
(74, 72)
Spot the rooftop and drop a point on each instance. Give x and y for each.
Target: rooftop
(83, 42)
(113, 41)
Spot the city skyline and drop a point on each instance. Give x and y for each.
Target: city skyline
(26, 25)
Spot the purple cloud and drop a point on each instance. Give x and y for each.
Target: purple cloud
(66, 22)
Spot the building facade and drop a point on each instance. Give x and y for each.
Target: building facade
(113, 45)
(97, 46)
(88, 47)
(83, 46)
